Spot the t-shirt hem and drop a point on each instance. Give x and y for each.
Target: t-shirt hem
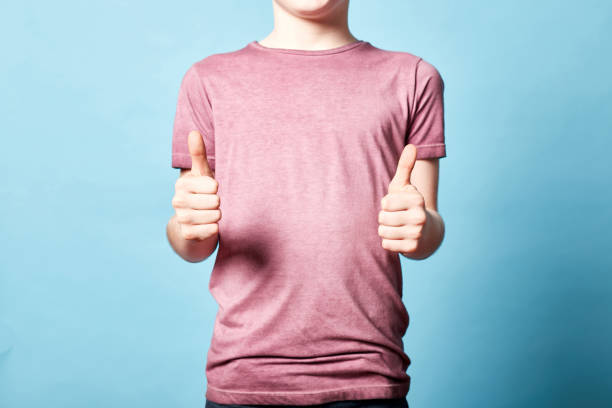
(387, 391)
(431, 151)
(183, 161)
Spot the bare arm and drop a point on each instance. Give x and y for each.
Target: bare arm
(424, 177)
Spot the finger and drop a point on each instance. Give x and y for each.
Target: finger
(404, 168)
(199, 184)
(199, 232)
(197, 151)
(387, 232)
(399, 245)
(402, 200)
(401, 232)
(416, 216)
(197, 201)
(197, 217)
(393, 218)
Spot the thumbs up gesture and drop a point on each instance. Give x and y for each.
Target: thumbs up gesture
(195, 200)
(403, 215)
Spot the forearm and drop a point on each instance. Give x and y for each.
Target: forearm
(191, 250)
(433, 234)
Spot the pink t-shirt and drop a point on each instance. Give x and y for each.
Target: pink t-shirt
(304, 144)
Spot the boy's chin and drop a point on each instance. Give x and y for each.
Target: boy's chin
(309, 8)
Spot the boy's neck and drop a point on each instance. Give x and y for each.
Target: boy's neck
(321, 31)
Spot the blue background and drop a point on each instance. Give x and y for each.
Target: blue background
(96, 310)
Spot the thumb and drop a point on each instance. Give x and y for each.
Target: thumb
(404, 168)
(197, 151)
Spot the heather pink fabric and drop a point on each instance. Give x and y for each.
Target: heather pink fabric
(304, 145)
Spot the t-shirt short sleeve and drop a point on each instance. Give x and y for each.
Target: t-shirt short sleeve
(426, 128)
(193, 112)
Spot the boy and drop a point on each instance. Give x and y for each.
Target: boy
(311, 159)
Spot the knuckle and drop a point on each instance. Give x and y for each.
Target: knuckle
(389, 244)
(182, 184)
(410, 246)
(209, 185)
(421, 217)
(188, 233)
(215, 184)
(183, 217)
(177, 201)
(418, 234)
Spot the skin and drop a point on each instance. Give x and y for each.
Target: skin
(409, 222)
(309, 25)
(193, 230)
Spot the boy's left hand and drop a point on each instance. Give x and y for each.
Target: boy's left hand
(403, 215)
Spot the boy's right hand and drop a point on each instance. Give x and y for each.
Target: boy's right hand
(195, 199)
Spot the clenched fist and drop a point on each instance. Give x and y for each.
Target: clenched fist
(195, 199)
(403, 215)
